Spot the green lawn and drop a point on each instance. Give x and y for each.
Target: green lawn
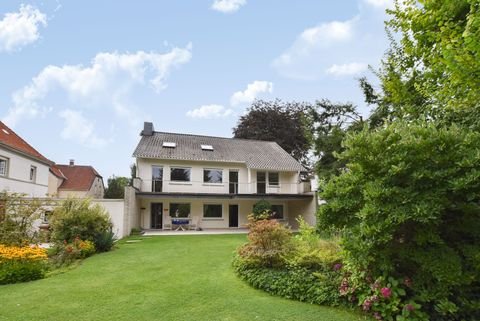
(159, 278)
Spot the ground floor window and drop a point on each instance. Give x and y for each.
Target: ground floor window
(277, 212)
(212, 210)
(179, 209)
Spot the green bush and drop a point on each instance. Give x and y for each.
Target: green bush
(65, 253)
(79, 218)
(104, 241)
(261, 210)
(292, 282)
(408, 207)
(269, 244)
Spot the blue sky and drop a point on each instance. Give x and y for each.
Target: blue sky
(78, 78)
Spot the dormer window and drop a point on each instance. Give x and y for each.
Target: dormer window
(169, 145)
(207, 147)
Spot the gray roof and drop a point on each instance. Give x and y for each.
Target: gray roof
(254, 153)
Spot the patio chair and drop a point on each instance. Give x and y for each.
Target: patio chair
(167, 225)
(193, 223)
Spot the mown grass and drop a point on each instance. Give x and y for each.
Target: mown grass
(158, 278)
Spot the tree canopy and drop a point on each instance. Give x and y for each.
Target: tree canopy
(283, 122)
(116, 187)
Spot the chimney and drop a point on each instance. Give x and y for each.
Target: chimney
(72, 162)
(147, 129)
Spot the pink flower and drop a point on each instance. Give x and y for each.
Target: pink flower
(377, 316)
(337, 266)
(386, 292)
(367, 304)
(409, 307)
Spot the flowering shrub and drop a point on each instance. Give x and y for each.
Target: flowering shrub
(21, 264)
(66, 253)
(269, 244)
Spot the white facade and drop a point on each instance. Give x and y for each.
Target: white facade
(282, 190)
(23, 174)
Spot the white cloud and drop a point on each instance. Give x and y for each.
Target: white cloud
(382, 4)
(209, 112)
(104, 87)
(80, 129)
(347, 69)
(228, 6)
(18, 29)
(253, 91)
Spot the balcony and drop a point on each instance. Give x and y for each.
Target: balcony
(166, 186)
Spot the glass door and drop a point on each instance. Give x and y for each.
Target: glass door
(261, 183)
(233, 216)
(156, 215)
(233, 182)
(157, 179)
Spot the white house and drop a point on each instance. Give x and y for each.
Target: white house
(22, 168)
(215, 181)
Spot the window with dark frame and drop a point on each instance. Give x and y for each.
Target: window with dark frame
(179, 209)
(273, 179)
(212, 210)
(157, 178)
(277, 212)
(212, 176)
(179, 174)
(33, 173)
(3, 166)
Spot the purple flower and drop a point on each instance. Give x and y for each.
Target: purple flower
(386, 292)
(337, 266)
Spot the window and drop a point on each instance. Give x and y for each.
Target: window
(169, 145)
(212, 175)
(207, 147)
(180, 174)
(3, 166)
(273, 179)
(277, 212)
(46, 215)
(33, 173)
(157, 178)
(212, 210)
(179, 209)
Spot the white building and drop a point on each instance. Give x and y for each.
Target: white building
(215, 181)
(22, 168)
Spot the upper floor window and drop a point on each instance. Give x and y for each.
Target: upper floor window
(273, 179)
(180, 174)
(33, 174)
(157, 178)
(3, 166)
(212, 175)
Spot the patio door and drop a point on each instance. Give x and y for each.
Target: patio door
(261, 183)
(156, 214)
(233, 216)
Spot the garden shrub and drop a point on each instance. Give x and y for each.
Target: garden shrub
(269, 243)
(79, 218)
(104, 241)
(408, 205)
(303, 267)
(22, 263)
(66, 253)
(17, 217)
(261, 210)
(292, 282)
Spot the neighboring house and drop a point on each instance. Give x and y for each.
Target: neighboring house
(75, 181)
(22, 168)
(216, 181)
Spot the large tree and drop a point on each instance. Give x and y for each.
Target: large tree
(116, 187)
(432, 68)
(286, 123)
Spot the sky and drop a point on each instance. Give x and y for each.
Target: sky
(79, 78)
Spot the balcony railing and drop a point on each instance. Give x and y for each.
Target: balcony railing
(168, 186)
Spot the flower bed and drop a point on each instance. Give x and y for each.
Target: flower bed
(21, 264)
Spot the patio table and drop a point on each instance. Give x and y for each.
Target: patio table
(180, 223)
